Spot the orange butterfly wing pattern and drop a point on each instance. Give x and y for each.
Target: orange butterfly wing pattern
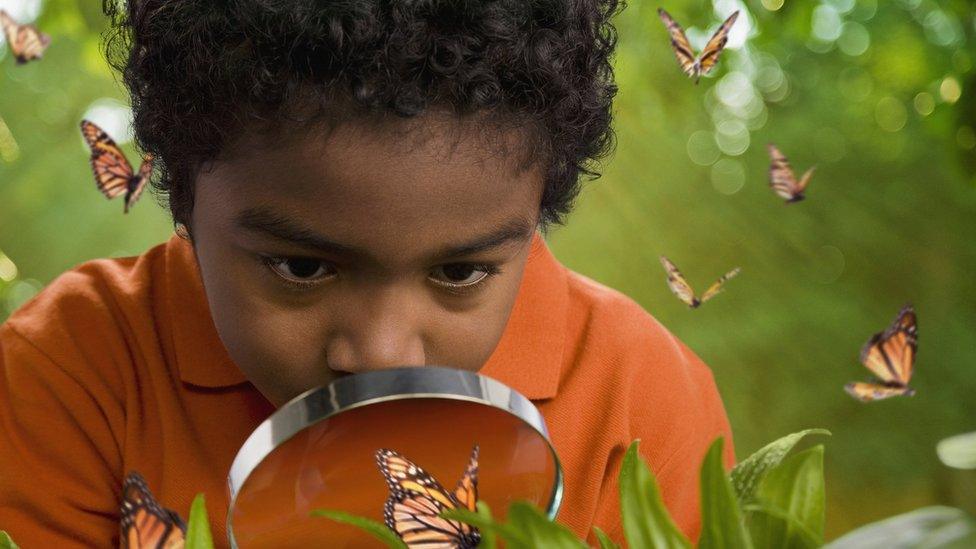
(782, 179)
(26, 42)
(680, 287)
(890, 355)
(417, 499)
(145, 523)
(113, 173)
(694, 66)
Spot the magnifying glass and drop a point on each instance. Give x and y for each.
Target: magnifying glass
(357, 444)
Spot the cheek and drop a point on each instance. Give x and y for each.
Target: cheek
(277, 349)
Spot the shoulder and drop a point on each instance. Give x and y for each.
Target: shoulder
(89, 312)
(636, 366)
(628, 336)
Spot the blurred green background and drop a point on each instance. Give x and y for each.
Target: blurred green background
(878, 94)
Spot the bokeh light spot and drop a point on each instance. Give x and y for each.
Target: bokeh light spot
(924, 103)
(950, 90)
(702, 149)
(728, 176)
(772, 5)
(732, 137)
(829, 264)
(854, 39)
(826, 23)
(113, 116)
(890, 114)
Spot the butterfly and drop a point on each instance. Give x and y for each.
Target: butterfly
(416, 500)
(693, 66)
(683, 290)
(146, 524)
(781, 177)
(890, 355)
(113, 173)
(26, 42)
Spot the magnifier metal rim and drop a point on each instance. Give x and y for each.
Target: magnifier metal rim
(366, 388)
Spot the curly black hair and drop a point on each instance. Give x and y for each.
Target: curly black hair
(200, 71)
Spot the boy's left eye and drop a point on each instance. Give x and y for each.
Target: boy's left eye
(461, 275)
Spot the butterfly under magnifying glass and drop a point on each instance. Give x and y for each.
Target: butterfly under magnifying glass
(145, 523)
(26, 42)
(113, 173)
(416, 501)
(782, 179)
(693, 66)
(680, 287)
(890, 355)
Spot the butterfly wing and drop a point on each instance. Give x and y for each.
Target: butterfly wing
(146, 524)
(805, 180)
(417, 499)
(717, 286)
(466, 491)
(781, 177)
(679, 286)
(868, 392)
(715, 45)
(890, 355)
(112, 170)
(26, 42)
(679, 43)
(138, 183)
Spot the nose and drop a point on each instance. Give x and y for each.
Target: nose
(383, 331)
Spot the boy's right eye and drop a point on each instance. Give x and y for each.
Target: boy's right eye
(301, 271)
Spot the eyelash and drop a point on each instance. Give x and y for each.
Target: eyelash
(460, 289)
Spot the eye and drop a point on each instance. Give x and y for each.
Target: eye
(301, 271)
(462, 275)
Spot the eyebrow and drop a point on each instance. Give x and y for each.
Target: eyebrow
(265, 221)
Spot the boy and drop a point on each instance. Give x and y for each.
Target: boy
(356, 185)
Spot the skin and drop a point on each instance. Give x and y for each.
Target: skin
(394, 200)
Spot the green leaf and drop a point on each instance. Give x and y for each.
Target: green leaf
(806, 537)
(540, 531)
(958, 451)
(489, 526)
(722, 526)
(198, 531)
(605, 541)
(6, 542)
(647, 524)
(487, 536)
(796, 488)
(747, 475)
(376, 529)
(933, 527)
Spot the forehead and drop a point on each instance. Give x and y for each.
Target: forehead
(394, 187)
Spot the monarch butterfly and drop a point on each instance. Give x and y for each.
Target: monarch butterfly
(146, 524)
(416, 500)
(113, 173)
(693, 66)
(782, 179)
(890, 355)
(26, 42)
(683, 290)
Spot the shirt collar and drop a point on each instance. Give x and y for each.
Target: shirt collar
(528, 357)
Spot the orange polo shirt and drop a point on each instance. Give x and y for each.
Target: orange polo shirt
(116, 366)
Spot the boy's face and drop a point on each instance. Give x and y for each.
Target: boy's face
(362, 250)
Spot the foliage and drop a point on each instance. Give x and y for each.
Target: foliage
(783, 507)
(6, 542)
(198, 534)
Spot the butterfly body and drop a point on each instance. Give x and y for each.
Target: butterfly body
(692, 65)
(26, 42)
(782, 180)
(417, 499)
(680, 287)
(114, 175)
(145, 523)
(890, 356)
